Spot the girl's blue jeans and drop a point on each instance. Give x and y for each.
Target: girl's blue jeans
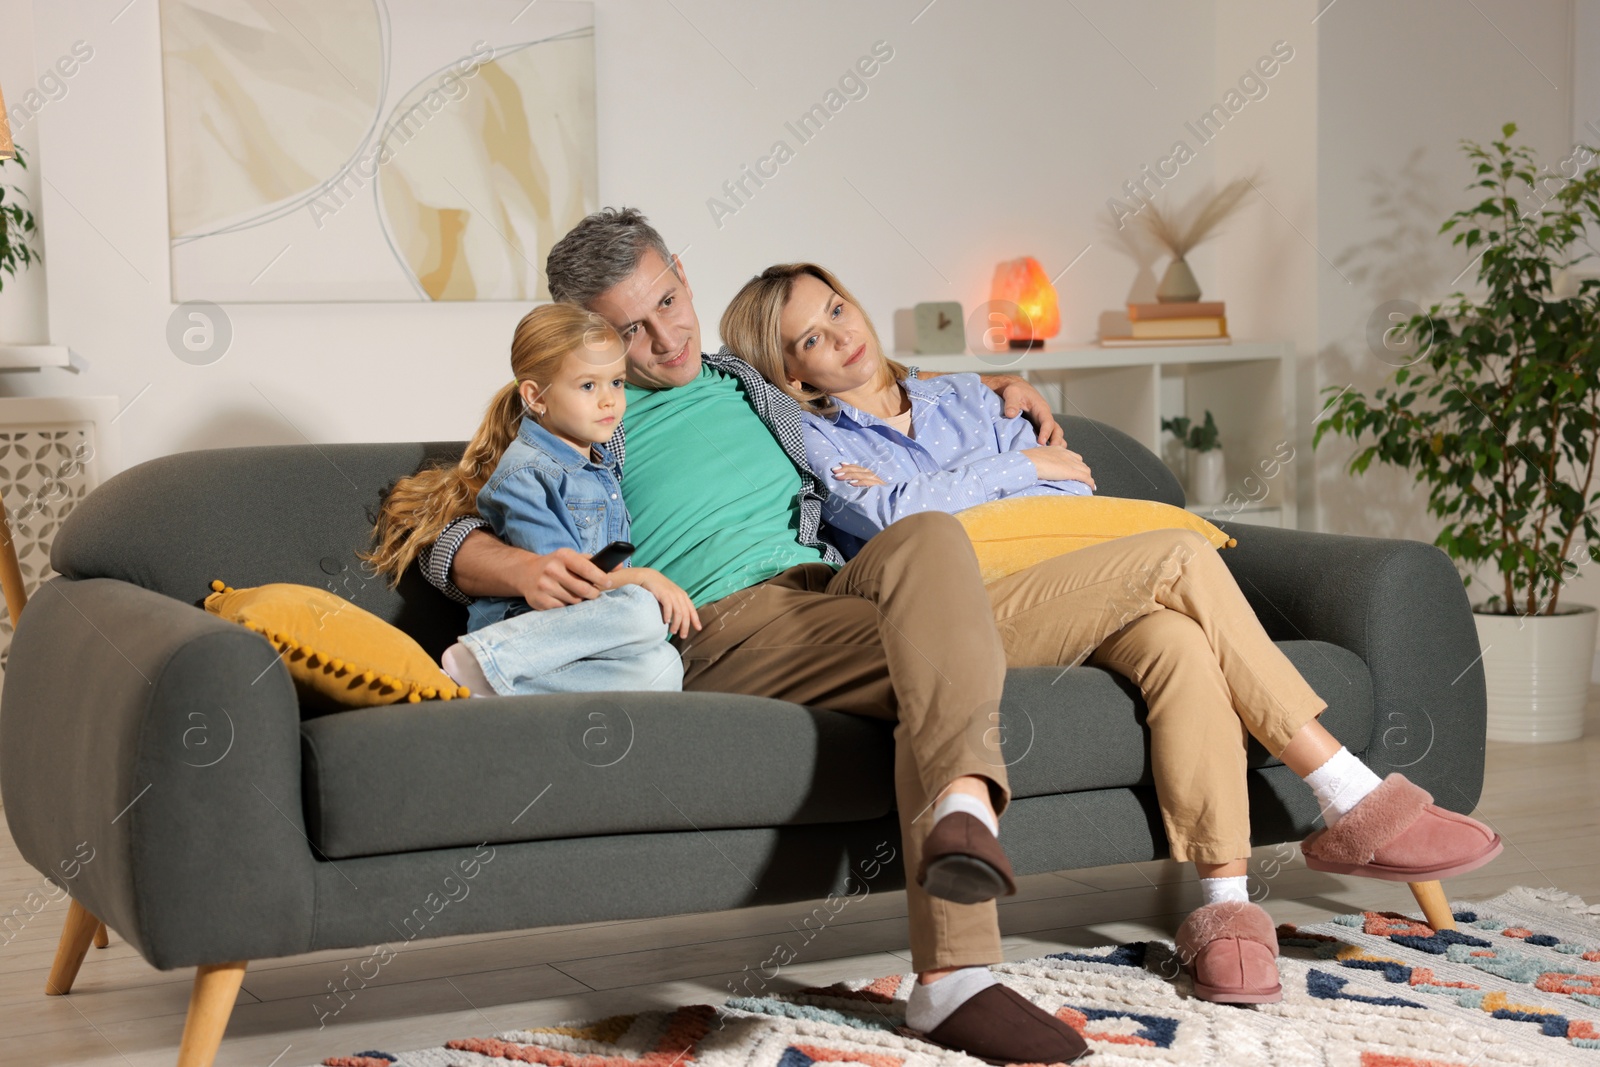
(615, 642)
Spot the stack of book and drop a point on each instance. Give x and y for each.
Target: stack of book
(1190, 323)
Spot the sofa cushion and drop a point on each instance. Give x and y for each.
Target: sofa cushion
(418, 776)
(281, 513)
(1085, 729)
(421, 776)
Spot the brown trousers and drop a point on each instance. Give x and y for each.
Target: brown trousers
(903, 632)
(907, 632)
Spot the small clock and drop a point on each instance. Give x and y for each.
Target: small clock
(940, 329)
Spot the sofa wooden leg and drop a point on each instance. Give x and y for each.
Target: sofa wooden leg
(216, 986)
(1435, 906)
(70, 950)
(101, 938)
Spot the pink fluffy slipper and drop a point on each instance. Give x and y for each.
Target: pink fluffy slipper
(1397, 833)
(1231, 950)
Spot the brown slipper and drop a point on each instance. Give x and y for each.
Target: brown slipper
(1398, 834)
(1231, 950)
(998, 1025)
(963, 863)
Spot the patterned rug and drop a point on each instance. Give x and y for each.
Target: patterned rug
(1517, 983)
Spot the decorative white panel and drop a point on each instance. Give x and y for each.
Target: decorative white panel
(52, 453)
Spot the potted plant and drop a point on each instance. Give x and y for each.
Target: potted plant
(17, 225)
(1208, 482)
(1499, 413)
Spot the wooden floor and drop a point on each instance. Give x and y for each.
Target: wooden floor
(1544, 800)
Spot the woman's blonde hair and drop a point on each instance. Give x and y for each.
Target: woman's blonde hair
(420, 506)
(750, 328)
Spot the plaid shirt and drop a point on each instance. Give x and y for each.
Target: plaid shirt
(780, 412)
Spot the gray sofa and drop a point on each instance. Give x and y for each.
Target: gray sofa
(227, 825)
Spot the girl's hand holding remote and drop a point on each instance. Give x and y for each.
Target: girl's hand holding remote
(677, 610)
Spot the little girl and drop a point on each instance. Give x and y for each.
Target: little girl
(553, 485)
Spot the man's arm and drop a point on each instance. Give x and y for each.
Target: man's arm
(484, 565)
(1019, 398)
(434, 560)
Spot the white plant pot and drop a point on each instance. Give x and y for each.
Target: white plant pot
(1536, 669)
(1208, 482)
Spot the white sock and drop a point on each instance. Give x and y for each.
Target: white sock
(462, 667)
(969, 804)
(1341, 784)
(932, 1004)
(1217, 890)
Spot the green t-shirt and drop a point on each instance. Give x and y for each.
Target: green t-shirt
(712, 497)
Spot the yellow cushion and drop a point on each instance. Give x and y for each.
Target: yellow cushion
(339, 655)
(1020, 531)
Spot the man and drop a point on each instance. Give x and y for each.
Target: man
(722, 501)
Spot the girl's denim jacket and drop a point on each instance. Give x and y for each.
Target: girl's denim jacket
(543, 496)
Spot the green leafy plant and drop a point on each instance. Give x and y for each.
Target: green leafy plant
(1201, 438)
(1500, 412)
(17, 226)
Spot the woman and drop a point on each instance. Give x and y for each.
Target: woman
(1160, 608)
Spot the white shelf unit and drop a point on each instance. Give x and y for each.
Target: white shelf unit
(33, 357)
(1251, 513)
(25, 358)
(1248, 386)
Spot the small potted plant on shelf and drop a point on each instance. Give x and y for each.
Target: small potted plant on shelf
(1203, 448)
(1499, 413)
(17, 225)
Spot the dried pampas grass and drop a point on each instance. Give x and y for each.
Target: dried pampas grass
(1179, 235)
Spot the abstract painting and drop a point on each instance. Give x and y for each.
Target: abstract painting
(374, 150)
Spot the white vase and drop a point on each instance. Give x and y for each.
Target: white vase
(1536, 668)
(1208, 481)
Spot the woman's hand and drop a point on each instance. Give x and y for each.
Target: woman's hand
(1057, 463)
(677, 610)
(856, 475)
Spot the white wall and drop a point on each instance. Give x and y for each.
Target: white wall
(1400, 86)
(1268, 254)
(1586, 72)
(993, 132)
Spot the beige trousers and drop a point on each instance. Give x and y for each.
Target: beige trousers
(1162, 610)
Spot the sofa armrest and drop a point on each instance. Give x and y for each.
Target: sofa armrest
(150, 766)
(1401, 607)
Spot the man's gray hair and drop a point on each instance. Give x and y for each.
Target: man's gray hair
(599, 252)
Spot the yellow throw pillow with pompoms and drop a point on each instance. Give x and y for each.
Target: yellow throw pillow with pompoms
(339, 655)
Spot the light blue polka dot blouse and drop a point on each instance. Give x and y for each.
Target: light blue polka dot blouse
(962, 452)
